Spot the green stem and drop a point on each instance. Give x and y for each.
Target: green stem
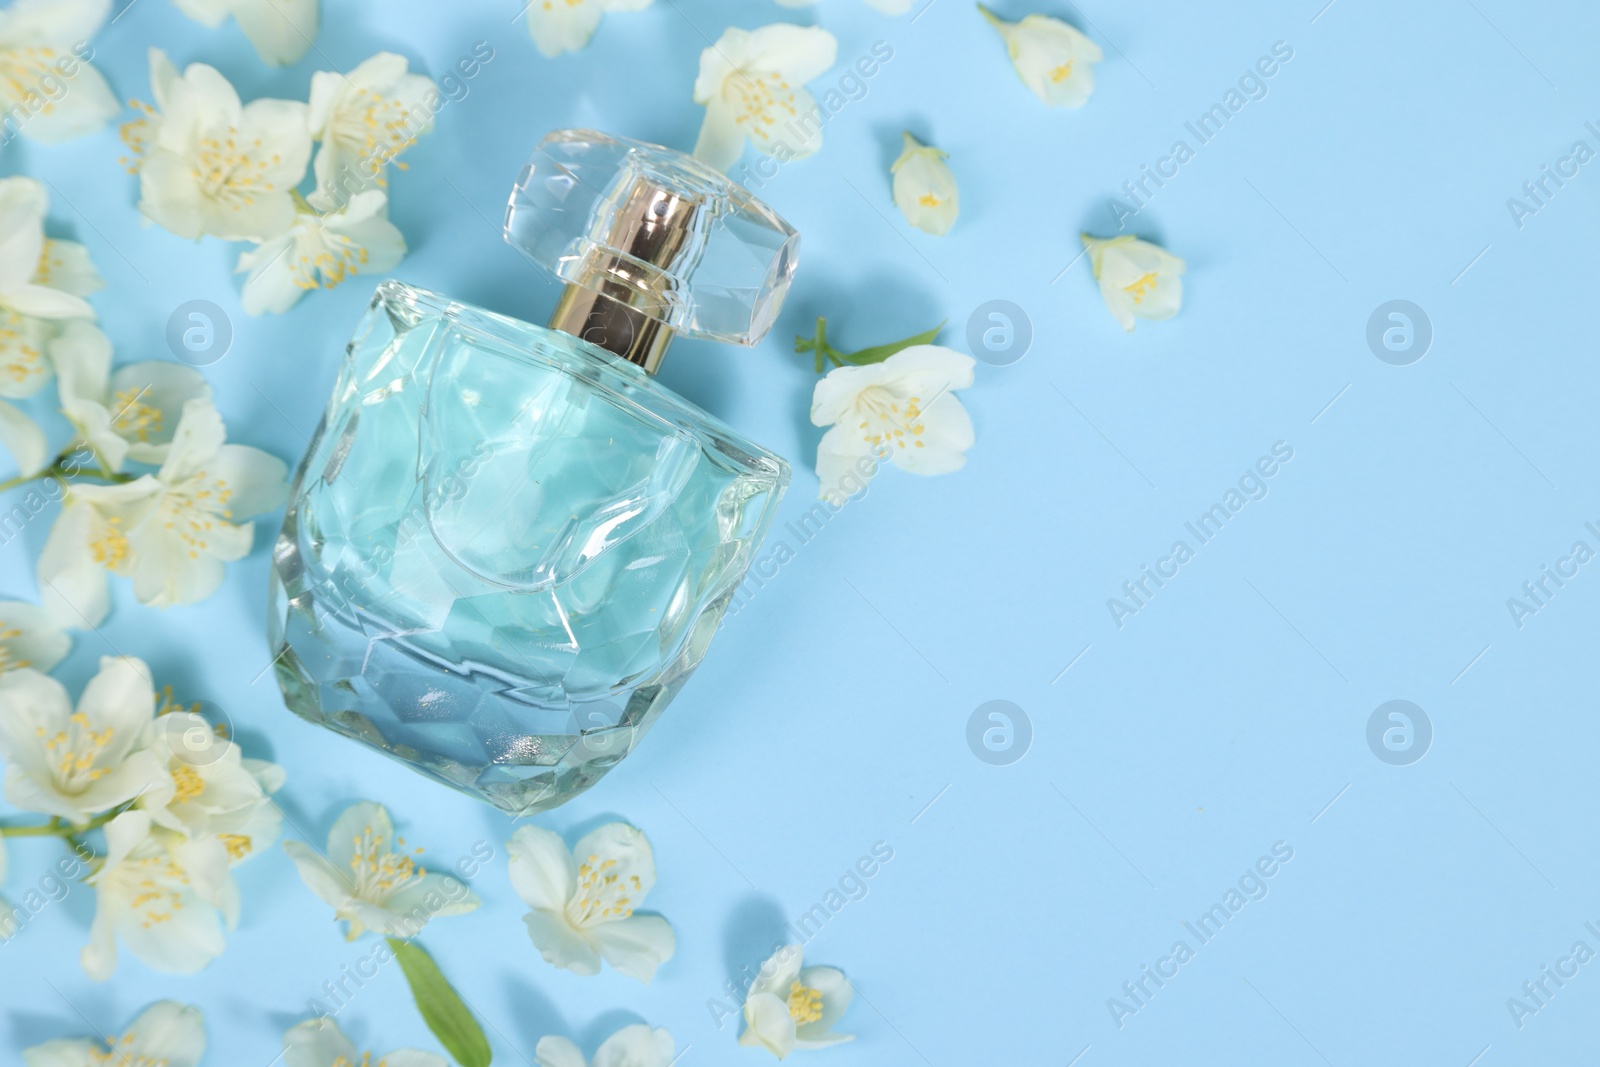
(60, 471)
(50, 829)
(24, 479)
(819, 345)
(58, 827)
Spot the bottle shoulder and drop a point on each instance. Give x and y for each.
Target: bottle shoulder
(408, 308)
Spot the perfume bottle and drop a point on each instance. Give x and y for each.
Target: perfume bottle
(508, 546)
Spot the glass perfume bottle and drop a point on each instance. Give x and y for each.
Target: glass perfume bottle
(508, 546)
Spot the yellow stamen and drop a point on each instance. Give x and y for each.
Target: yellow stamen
(805, 1004)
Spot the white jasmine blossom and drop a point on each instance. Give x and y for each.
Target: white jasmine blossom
(166, 896)
(89, 537)
(902, 410)
(130, 414)
(211, 165)
(373, 880)
(924, 188)
(210, 789)
(42, 286)
(321, 251)
(632, 1046)
(280, 30)
(791, 1008)
(166, 1034)
(320, 1043)
(364, 120)
(1053, 59)
(752, 83)
(583, 900)
(48, 89)
(561, 26)
(170, 532)
(1137, 279)
(78, 763)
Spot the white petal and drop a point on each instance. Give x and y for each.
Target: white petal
(65, 265)
(721, 140)
(23, 438)
(47, 22)
(925, 370)
(33, 705)
(329, 883)
(410, 1057)
(768, 1024)
(123, 834)
(318, 1043)
(836, 992)
(835, 392)
(120, 698)
(40, 302)
(840, 456)
(168, 195)
(271, 288)
(163, 75)
(798, 53)
(555, 1052)
(185, 944)
(779, 972)
(72, 586)
(195, 443)
(560, 944)
(635, 1046)
(23, 203)
(167, 1032)
(720, 62)
(1054, 60)
(35, 642)
(209, 13)
(541, 868)
(627, 851)
(365, 222)
(86, 105)
(361, 820)
(635, 946)
(281, 30)
(925, 189)
(62, 1054)
(563, 27)
(147, 401)
(81, 354)
(941, 447)
(794, 133)
(257, 482)
(433, 895)
(167, 572)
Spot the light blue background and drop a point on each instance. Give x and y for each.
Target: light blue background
(1228, 715)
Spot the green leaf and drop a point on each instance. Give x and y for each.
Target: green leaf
(879, 353)
(441, 1006)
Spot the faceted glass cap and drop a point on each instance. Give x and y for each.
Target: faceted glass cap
(655, 229)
